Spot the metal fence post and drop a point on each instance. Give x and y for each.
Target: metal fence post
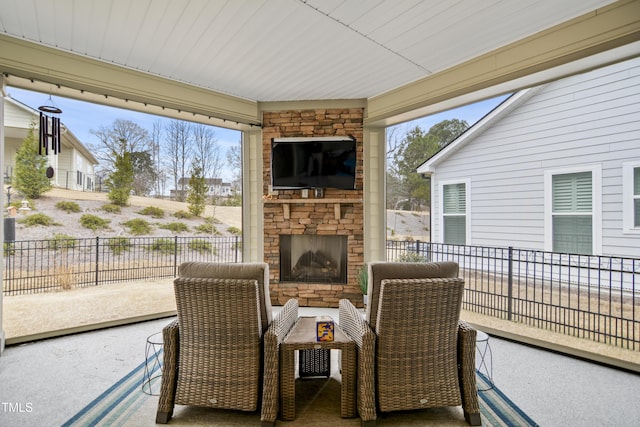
(236, 247)
(510, 285)
(175, 257)
(97, 258)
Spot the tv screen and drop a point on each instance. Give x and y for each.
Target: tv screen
(313, 163)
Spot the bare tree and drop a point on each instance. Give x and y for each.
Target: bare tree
(234, 161)
(178, 151)
(123, 136)
(156, 138)
(206, 150)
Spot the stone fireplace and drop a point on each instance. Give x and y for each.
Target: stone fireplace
(313, 241)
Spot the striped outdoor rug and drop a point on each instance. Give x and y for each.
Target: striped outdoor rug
(125, 404)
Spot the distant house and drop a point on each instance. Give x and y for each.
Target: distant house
(73, 166)
(215, 187)
(554, 168)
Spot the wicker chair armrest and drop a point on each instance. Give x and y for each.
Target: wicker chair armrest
(275, 334)
(467, 367)
(170, 336)
(352, 322)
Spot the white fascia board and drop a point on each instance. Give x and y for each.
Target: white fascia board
(508, 105)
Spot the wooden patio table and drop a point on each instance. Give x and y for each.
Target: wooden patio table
(303, 337)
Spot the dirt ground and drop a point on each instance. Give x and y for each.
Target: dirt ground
(401, 225)
(91, 202)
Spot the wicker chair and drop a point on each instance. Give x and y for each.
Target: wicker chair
(414, 352)
(213, 351)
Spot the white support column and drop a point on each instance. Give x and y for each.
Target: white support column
(375, 216)
(252, 213)
(2, 202)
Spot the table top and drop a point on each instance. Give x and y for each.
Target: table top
(156, 338)
(304, 332)
(481, 336)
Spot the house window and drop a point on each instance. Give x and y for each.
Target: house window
(454, 213)
(572, 213)
(79, 178)
(631, 197)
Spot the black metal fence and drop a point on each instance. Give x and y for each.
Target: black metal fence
(592, 297)
(39, 265)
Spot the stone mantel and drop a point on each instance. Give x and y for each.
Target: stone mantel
(332, 201)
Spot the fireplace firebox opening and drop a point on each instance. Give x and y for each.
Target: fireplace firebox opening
(313, 258)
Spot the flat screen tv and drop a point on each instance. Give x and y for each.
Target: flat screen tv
(321, 162)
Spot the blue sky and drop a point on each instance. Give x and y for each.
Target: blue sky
(83, 117)
(470, 113)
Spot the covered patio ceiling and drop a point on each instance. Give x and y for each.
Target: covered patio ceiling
(227, 60)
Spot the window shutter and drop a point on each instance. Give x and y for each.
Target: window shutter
(572, 192)
(454, 199)
(572, 208)
(636, 197)
(454, 213)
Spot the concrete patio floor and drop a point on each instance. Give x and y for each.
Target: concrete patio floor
(59, 376)
(37, 316)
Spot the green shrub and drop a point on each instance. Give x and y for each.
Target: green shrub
(207, 229)
(235, 200)
(363, 279)
(68, 206)
(152, 211)
(183, 215)
(175, 227)
(412, 257)
(9, 248)
(234, 230)
(212, 220)
(138, 226)
(200, 245)
(119, 244)
(120, 180)
(94, 222)
(166, 246)
(111, 208)
(38, 219)
(62, 241)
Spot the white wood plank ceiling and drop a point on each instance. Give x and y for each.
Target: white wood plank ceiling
(282, 50)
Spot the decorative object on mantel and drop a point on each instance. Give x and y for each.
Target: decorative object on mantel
(49, 128)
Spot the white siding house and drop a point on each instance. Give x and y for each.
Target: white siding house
(554, 168)
(73, 166)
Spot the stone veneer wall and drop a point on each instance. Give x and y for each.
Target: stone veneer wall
(314, 216)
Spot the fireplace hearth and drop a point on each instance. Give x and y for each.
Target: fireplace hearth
(313, 259)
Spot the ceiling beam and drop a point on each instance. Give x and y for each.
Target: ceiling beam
(114, 85)
(597, 32)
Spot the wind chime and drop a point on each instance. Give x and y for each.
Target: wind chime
(49, 128)
(49, 131)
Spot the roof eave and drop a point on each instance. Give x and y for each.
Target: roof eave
(495, 115)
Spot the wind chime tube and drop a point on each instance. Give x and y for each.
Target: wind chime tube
(55, 134)
(43, 133)
(46, 133)
(59, 135)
